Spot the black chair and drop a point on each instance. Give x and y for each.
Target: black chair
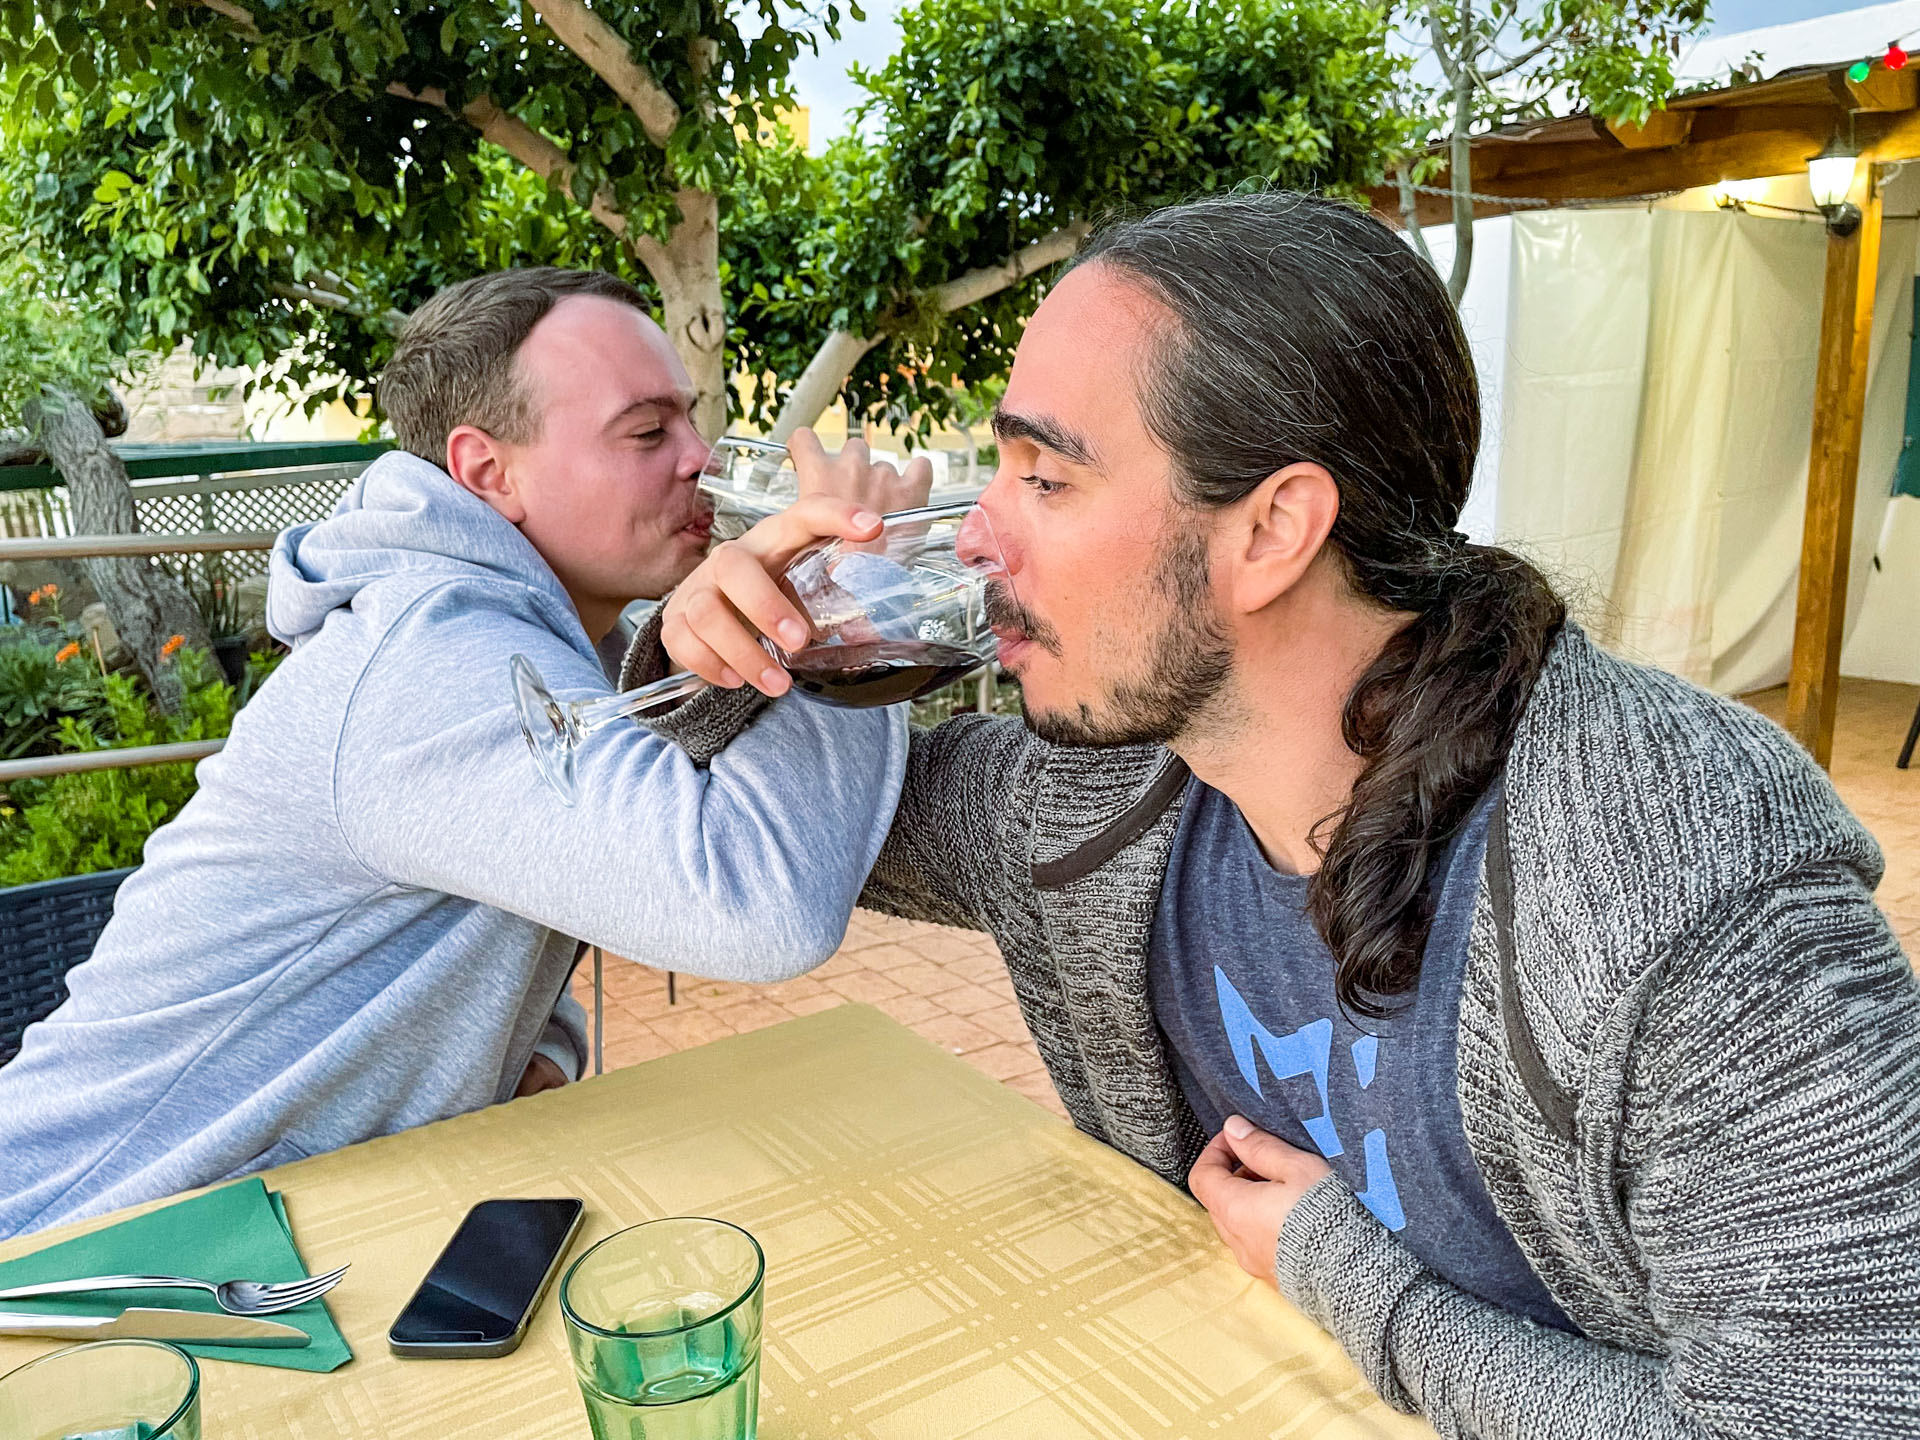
(1913, 734)
(46, 930)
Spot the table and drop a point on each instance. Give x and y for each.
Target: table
(945, 1260)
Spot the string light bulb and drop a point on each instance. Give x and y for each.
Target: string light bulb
(1859, 70)
(1896, 58)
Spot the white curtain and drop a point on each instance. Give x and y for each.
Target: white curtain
(1657, 417)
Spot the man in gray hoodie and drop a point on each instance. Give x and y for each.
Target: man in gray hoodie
(367, 916)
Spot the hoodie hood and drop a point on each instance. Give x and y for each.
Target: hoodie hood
(406, 521)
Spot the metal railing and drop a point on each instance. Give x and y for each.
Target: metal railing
(74, 547)
(80, 547)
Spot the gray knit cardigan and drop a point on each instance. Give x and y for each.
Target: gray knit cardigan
(1693, 1087)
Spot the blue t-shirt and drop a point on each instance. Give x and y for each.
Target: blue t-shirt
(1242, 985)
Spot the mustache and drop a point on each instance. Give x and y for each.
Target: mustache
(1005, 612)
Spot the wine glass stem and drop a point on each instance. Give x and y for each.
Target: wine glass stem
(586, 716)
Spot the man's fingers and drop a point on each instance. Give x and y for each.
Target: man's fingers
(804, 445)
(1267, 1156)
(914, 486)
(714, 622)
(778, 538)
(753, 593)
(1212, 1179)
(690, 652)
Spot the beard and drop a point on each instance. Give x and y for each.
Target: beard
(1188, 661)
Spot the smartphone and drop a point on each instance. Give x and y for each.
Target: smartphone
(481, 1292)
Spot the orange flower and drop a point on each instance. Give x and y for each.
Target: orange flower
(68, 651)
(50, 589)
(174, 642)
(33, 596)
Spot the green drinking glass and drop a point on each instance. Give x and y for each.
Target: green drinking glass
(664, 1324)
(106, 1390)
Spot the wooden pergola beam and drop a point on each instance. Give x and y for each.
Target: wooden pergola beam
(1746, 133)
(1882, 90)
(1659, 131)
(1833, 472)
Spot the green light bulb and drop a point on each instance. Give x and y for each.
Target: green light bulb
(1859, 70)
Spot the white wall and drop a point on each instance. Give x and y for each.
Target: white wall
(1483, 314)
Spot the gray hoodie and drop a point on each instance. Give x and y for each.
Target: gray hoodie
(364, 918)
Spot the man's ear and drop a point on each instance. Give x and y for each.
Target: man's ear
(478, 462)
(1282, 528)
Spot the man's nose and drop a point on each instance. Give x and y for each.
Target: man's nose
(978, 544)
(694, 451)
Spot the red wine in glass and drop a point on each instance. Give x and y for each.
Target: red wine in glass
(892, 621)
(881, 673)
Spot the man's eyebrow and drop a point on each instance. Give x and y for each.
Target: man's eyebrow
(672, 400)
(1045, 432)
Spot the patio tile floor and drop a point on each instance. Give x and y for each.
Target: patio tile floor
(950, 986)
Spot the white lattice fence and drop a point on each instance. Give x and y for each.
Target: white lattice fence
(25, 513)
(258, 500)
(249, 500)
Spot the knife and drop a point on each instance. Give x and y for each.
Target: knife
(192, 1326)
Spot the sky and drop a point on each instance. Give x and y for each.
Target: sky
(822, 84)
(1731, 16)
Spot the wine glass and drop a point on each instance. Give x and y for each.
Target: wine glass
(747, 480)
(892, 619)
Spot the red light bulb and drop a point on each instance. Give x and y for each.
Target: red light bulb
(1896, 58)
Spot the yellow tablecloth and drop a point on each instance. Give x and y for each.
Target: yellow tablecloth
(944, 1260)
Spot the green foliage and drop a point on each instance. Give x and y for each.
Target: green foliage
(999, 124)
(211, 171)
(1613, 57)
(39, 690)
(48, 340)
(100, 820)
(269, 189)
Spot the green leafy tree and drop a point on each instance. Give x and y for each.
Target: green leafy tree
(283, 182)
(1487, 63)
(1004, 133)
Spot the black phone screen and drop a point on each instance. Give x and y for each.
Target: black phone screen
(490, 1274)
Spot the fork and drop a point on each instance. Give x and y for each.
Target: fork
(236, 1297)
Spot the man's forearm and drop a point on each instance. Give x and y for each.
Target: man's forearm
(1479, 1372)
(1474, 1370)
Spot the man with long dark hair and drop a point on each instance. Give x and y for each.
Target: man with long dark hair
(1523, 1013)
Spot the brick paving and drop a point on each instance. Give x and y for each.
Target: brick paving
(950, 986)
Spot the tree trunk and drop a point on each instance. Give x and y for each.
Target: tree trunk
(148, 606)
(1460, 178)
(820, 382)
(833, 362)
(1410, 212)
(694, 312)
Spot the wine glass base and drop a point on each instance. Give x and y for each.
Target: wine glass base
(543, 722)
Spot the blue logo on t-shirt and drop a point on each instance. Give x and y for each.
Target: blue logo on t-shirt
(1308, 1051)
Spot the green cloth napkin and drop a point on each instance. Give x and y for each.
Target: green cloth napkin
(238, 1232)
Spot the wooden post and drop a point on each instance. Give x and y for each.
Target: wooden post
(1833, 468)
